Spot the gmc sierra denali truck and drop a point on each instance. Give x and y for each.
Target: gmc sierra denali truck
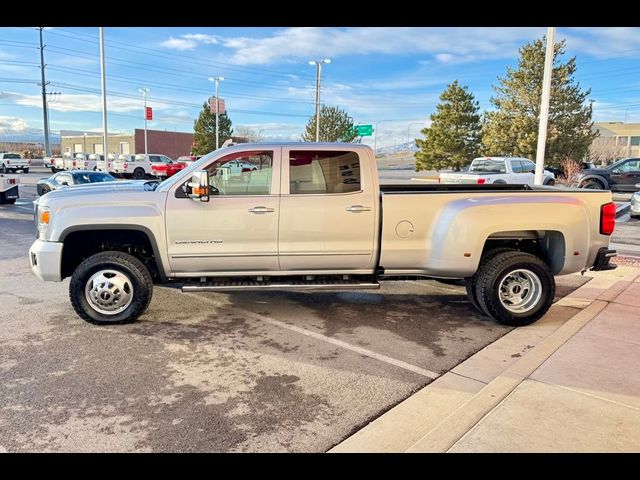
(314, 216)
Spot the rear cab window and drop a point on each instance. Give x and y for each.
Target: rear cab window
(324, 172)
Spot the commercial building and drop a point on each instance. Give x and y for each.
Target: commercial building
(624, 136)
(171, 144)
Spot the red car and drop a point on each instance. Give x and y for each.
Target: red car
(165, 170)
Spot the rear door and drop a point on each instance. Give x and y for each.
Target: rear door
(327, 210)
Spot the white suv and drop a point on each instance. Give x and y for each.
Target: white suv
(138, 166)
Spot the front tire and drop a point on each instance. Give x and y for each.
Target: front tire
(593, 185)
(25, 170)
(110, 288)
(515, 288)
(138, 173)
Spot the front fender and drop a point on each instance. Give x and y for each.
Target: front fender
(586, 178)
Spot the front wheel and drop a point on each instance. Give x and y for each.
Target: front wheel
(515, 288)
(138, 173)
(593, 185)
(25, 170)
(110, 288)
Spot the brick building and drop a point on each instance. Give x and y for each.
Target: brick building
(171, 144)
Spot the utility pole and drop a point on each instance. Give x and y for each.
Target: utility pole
(105, 149)
(48, 122)
(217, 80)
(544, 106)
(144, 99)
(318, 64)
(47, 145)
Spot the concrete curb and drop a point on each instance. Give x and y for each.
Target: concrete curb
(439, 415)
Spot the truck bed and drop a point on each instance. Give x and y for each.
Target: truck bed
(453, 187)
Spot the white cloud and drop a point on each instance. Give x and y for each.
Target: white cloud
(607, 42)
(79, 102)
(189, 41)
(310, 42)
(13, 125)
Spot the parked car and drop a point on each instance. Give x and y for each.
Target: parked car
(106, 166)
(635, 202)
(9, 188)
(166, 170)
(90, 162)
(314, 216)
(139, 166)
(621, 176)
(188, 159)
(47, 162)
(486, 170)
(12, 162)
(75, 177)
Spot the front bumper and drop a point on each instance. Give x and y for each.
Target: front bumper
(603, 258)
(46, 259)
(635, 206)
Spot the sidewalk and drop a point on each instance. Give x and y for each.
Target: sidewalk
(559, 385)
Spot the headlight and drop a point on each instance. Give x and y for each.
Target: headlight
(44, 216)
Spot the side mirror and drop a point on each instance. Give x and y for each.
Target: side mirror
(198, 187)
(532, 171)
(65, 183)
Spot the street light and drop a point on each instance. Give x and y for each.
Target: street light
(144, 99)
(217, 80)
(375, 135)
(318, 64)
(409, 129)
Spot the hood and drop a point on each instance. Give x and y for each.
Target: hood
(113, 190)
(603, 172)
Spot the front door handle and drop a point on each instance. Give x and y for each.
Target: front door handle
(261, 210)
(358, 208)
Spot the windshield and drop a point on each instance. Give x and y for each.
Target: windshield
(93, 178)
(487, 165)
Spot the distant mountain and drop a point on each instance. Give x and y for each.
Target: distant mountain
(408, 147)
(30, 138)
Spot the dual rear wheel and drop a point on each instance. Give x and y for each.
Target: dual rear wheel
(513, 287)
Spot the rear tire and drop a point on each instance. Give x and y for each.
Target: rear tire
(550, 182)
(471, 282)
(515, 288)
(110, 288)
(138, 173)
(25, 170)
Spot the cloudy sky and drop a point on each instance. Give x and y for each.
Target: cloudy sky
(392, 76)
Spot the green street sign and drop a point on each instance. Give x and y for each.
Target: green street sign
(364, 130)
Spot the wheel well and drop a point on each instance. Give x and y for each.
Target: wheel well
(548, 245)
(601, 181)
(82, 244)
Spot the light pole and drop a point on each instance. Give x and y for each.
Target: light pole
(375, 135)
(544, 106)
(318, 64)
(144, 91)
(409, 129)
(217, 80)
(84, 143)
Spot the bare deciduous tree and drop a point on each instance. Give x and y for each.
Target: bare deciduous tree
(571, 171)
(252, 135)
(605, 150)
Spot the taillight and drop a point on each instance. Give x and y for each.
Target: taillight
(607, 218)
(480, 181)
(126, 165)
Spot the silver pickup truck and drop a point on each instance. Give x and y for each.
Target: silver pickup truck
(314, 216)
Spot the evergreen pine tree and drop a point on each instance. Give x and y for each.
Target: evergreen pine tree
(512, 129)
(453, 139)
(335, 126)
(204, 130)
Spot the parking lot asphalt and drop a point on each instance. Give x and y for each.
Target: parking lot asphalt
(277, 371)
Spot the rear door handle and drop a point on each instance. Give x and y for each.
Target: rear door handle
(262, 210)
(358, 208)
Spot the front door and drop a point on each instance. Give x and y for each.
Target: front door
(625, 176)
(328, 210)
(237, 230)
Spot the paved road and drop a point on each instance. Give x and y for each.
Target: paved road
(217, 372)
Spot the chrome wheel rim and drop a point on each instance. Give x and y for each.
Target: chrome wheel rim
(520, 291)
(109, 292)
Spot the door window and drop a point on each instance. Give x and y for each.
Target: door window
(528, 166)
(630, 166)
(516, 166)
(323, 172)
(242, 173)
